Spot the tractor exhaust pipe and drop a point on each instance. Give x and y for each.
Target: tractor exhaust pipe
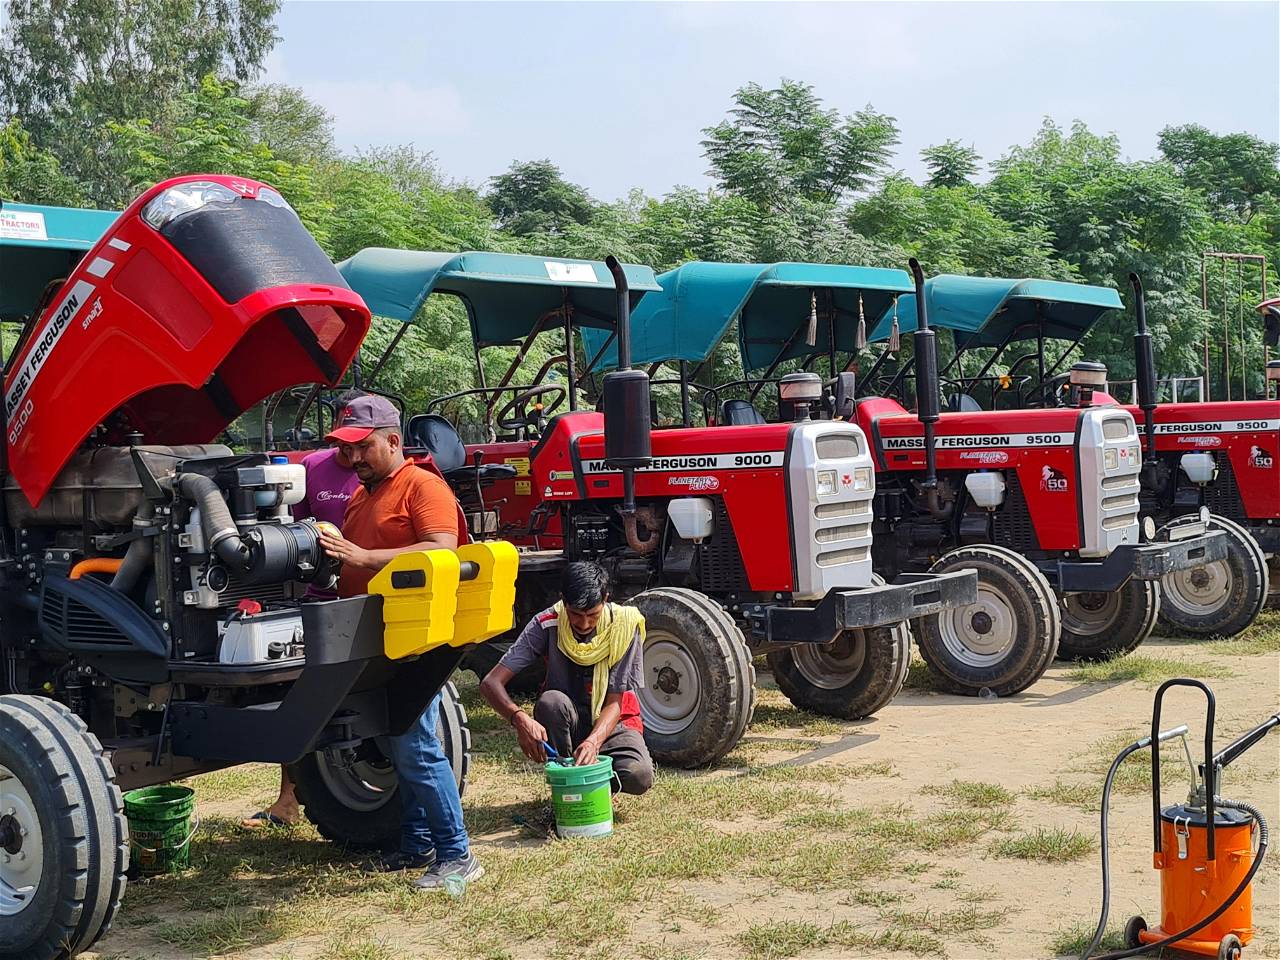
(1144, 359)
(925, 346)
(627, 426)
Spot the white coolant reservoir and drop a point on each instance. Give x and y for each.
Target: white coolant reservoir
(694, 517)
(260, 637)
(986, 489)
(1199, 467)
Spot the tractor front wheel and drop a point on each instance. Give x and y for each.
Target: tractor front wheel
(1102, 626)
(63, 840)
(699, 682)
(1006, 639)
(353, 796)
(851, 677)
(1222, 598)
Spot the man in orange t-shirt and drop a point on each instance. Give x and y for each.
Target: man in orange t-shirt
(400, 507)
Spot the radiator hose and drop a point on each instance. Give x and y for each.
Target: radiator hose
(138, 557)
(220, 531)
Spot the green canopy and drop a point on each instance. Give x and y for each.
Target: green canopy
(987, 311)
(770, 302)
(39, 244)
(506, 294)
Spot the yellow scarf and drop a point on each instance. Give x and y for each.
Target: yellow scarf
(618, 625)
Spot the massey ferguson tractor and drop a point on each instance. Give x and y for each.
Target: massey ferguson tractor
(152, 618)
(733, 541)
(1043, 504)
(1215, 456)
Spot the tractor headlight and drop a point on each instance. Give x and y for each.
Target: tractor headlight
(862, 478)
(184, 198)
(1111, 458)
(1149, 529)
(826, 483)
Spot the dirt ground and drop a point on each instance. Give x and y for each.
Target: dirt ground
(944, 826)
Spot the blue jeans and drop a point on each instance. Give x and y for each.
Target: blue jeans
(432, 809)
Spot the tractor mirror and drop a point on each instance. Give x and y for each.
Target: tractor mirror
(844, 388)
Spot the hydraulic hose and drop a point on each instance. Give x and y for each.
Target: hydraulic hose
(1106, 854)
(219, 528)
(1263, 839)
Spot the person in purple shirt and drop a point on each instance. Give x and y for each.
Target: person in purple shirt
(330, 482)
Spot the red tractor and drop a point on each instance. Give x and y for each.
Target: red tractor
(737, 540)
(1214, 456)
(1042, 504)
(153, 579)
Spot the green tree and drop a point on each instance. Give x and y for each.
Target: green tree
(780, 144)
(31, 175)
(950, 164)
(534, 198)
(1238, 172)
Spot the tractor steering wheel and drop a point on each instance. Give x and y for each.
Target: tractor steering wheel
(1049, 393)
(523, 419)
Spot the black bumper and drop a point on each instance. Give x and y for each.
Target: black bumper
(1148, 561)
(1268, 537)
(913, 595)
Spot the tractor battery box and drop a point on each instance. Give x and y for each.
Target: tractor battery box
(256, 637)
(589, 535)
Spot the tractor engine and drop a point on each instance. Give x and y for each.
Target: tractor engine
(145, 559)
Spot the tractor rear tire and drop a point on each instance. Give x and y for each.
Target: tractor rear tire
(1222, 598)
(483, 657)
(63, 832)
(699, 681)
(357, 804)
(849, 678)
(1002, 643)
(1103, 626)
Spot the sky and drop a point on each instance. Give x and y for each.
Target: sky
(617, 94)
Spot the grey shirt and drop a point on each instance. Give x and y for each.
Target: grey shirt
(537, 641)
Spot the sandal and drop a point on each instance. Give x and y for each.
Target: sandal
(264, 818)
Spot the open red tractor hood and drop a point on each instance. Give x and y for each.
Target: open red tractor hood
(204, 297)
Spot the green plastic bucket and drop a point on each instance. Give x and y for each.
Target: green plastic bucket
(581, 798)
(160, 829)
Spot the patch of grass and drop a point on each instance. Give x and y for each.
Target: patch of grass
(348, 947)
(248, 782)
(1255, 642)
(231, 929)
(1046, 845)
(874, 898)
(1146, 669)
(918, 675)
(1069, 942)
(971, 793)
(957, 922)
(787, 938)
(1082, 796)
(1134, 775)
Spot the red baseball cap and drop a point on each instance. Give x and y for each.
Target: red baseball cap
(362, 416)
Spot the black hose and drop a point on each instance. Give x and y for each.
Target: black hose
(1263, 838)
(1106, 855)
(220, 530)
(138, 557)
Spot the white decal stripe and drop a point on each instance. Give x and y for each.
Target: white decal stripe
(100, 267)
(981, 441)
(119, 244)
(719, 461)
(1219, 426)
(43, 344)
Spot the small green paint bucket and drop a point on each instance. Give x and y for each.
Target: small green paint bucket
(581, 798)
(160, 828)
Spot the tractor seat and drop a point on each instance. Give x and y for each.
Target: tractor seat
(740, 413)
(436, 435)
(962, 403)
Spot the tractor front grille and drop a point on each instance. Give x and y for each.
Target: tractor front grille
(73, 623)
(721, 560)
(1222, 497)
(1012, 526)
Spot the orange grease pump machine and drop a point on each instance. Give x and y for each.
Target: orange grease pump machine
(1204, 850)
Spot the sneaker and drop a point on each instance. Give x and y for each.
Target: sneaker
(451, 872)
(396, 862)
